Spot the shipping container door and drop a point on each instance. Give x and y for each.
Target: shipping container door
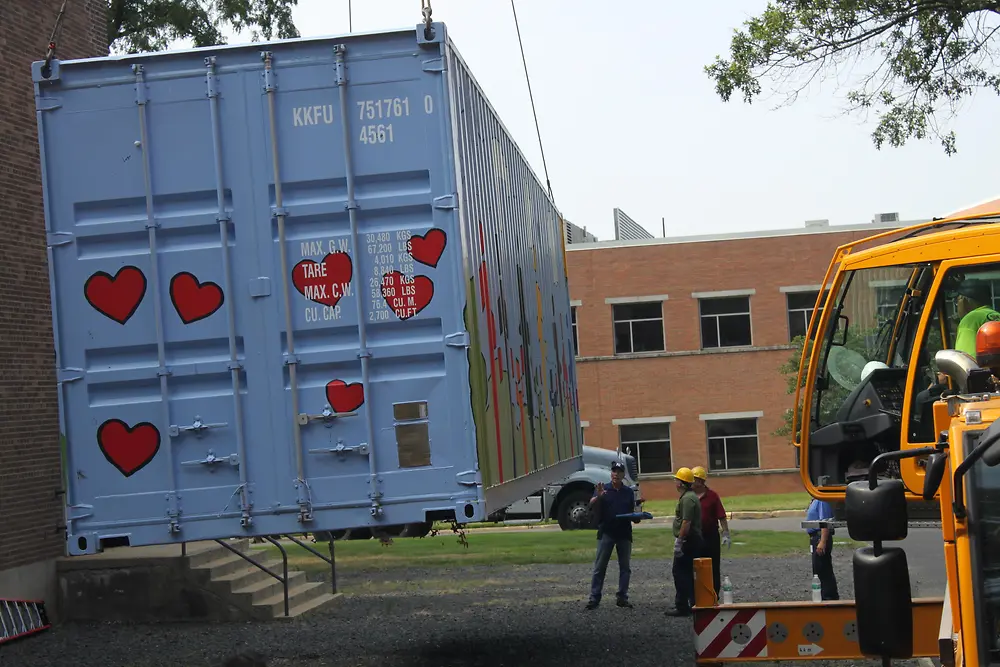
(154, 320)
(377, 372)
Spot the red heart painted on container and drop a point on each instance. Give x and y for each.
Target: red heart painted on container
(116, 297)
(194, 300)
(427, 249)
(324, 282)
(128, 449)
(345, 397)
(406, 297)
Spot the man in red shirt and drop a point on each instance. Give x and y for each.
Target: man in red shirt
(712, 513)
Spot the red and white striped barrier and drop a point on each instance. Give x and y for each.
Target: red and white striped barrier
(731, 633)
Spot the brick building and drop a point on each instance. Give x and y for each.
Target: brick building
(679, 342)
(31, 507)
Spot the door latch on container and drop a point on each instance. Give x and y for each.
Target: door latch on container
(327, 415)
(212, 459)
(341, 449)
(197, 427)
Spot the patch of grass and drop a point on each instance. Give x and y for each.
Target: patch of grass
(504, 549)
(755, 503)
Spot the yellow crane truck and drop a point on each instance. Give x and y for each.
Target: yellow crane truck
(897, 404)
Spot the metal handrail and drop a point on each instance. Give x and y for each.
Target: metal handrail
(331, 560)
(284, 564)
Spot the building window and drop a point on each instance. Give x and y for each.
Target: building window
(732, 444)
(800, 307)
(638, 327)
(887, 298)
(576, 339)
(649, 444)
(725, 322)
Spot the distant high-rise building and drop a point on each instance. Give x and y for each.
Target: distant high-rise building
(626, 228)
(576, 234)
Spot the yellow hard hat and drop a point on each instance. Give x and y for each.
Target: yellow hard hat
(685, 475)
(699, 472)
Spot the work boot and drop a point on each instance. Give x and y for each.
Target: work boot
(622, 602)
(678, 612)
(592, 604)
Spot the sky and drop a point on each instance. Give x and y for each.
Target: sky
(629, 119)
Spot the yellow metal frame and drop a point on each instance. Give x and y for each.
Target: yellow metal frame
(944, 249)
(800, 630)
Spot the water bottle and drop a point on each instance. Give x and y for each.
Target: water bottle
(727, 591)
(817, 593)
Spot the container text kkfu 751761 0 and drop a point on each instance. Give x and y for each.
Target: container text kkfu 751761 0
(302, 289)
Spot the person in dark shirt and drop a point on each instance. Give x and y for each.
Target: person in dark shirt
(712, 512)
(613, 534)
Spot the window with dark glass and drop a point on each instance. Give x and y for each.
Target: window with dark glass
(638, 327)
(725, 322)
(800, 308)
(649, 444)
(732, 444)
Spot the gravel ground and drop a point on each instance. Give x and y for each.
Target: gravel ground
(474, 617)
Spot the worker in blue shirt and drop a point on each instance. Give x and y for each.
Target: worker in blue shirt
(613, 534)
(821, 548)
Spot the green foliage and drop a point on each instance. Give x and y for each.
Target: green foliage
(918, 55)
(858, 340)
(136, 26)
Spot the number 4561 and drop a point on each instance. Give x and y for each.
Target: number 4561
(376, 134)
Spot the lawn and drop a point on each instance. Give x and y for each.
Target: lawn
(525, 548)
(755, 503)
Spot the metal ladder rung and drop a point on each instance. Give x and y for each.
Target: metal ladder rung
(20, 618)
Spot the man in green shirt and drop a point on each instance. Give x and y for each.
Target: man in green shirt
(687, 542)
(974, 305)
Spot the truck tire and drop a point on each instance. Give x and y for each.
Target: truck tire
(574, 511)
(416, 529)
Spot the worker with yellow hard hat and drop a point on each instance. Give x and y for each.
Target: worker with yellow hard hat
(712, 513)
(687, 542)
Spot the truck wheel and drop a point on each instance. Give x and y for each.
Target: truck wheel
(574, 511)
(416, 529)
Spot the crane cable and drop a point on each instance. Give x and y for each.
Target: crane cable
(531, 97)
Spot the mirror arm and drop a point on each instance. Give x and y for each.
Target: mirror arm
(882, 459)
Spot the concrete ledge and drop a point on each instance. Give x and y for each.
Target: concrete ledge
(36, 581)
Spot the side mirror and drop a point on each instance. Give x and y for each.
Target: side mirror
(957, 366)
(934, 473)
(843, 331)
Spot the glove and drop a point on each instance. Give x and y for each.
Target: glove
(678, 547)
(725, 540)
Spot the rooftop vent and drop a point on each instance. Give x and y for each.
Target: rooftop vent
(885, 218)
(818, 223)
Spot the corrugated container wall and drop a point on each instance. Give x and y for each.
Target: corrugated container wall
(305, 289)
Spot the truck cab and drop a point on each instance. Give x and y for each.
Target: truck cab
(568, 500)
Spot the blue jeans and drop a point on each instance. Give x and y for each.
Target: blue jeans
(605, 546)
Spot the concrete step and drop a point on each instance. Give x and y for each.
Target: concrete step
(302, 594)
(262, 590)
(312, 605)
(201, 553)
(249, 574)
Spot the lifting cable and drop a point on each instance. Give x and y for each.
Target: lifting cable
(51, 53)
(531, 97)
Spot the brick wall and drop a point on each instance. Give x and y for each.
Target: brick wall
(686, 382)
(30, 467)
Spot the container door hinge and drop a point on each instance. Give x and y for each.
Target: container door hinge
(469, 478)
(53, 239)
(446, 202)
(342, 450)
(434, 65)
(173, 513)
(303, 501)
(64, 375)
(260, 287)
(458, 339)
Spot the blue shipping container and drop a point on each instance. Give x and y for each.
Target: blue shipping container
(304, 289)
